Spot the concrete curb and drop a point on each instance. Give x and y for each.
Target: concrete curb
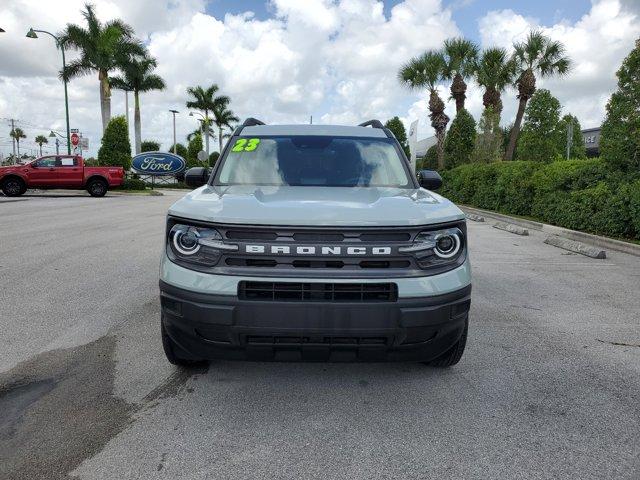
(507, 227)
(576, 247)
(475, 218)
(588, 238)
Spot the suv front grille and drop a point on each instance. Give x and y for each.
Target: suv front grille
(341, 263)
(318, 292)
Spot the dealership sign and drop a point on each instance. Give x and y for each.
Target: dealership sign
(158, 163)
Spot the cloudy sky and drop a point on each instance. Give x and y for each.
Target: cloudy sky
(284, 60)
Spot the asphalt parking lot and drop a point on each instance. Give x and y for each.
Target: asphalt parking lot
(549, 386)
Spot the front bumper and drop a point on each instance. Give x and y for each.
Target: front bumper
(209, 326)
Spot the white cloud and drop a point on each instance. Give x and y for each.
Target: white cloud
(335, 60)
(597, 44)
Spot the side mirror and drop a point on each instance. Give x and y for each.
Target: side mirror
(196, 176)
(429, 179)
(33, 165)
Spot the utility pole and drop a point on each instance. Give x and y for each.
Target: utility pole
(174, 130)
(569, 137)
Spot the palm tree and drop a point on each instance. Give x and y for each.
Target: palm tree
(137, 78)
(17, 133)
(223, 118)
(540, 55)
(494, 71)
(204, 99)
(103, 47)
(426, 71)
(460, 59)
(40, 139)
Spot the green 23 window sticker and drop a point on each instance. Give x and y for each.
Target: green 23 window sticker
(246, 145)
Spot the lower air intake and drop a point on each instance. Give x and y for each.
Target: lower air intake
(318, 292)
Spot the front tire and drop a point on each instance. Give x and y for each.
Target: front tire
(454, 354)
(97, 188)
(13, 187)
(171, 349)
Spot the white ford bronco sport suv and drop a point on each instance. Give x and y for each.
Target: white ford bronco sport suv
(314, 242)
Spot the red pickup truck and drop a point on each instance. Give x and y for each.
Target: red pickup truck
(59, 171)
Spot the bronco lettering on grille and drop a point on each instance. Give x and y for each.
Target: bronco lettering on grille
(316, 250)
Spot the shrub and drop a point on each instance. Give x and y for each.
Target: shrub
(195, 146)
(578, 149)
(578, 194)
(133, 184)
(150, 146)
(460, 140)
(397, 128)
(181, 150)
(541, 139)
(488, 139)
(620, 136)
(430, 159)
(213, 158)
(116, 149)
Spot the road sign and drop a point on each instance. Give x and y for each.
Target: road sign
(84, 143)
(74, 130)
(202, 156)
(75, 139)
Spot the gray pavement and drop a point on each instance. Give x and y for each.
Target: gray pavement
(549, 386)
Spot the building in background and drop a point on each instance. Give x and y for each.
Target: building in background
(592, 141)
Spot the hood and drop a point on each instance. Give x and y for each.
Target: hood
(316, 206)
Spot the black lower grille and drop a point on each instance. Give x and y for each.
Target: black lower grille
(318, 292)
(332, 341)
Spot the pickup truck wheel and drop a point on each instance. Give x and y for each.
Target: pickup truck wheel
(170, 349)
(97, 188)
(13, 187)
(454, 354)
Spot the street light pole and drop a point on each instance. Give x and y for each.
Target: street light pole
(174, 130)
(32, 34)
(55, 135)
(205, 125)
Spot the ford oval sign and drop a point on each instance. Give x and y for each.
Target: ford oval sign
(158, 163)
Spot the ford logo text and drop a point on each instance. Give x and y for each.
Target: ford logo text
(158, 163)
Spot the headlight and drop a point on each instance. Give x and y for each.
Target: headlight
(438, 247)
(196, 245)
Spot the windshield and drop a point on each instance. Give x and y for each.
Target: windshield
(313, 161)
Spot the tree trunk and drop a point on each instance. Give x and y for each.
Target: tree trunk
(18, 145)
(219, 139)
(206, 137)
(458, 91)
(515, 131)
(40, 149)
(105, 99)
(440, 148)
(136, 121)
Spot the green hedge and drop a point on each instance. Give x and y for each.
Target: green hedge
(132, 184)
(577, 194)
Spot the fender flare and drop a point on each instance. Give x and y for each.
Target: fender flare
(96, 176)
(14, 174)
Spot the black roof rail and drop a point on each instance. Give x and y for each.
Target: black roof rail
(372, 123)
(250, 122)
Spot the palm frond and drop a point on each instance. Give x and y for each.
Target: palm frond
(120, 83)
(76, 68)
(423, 71)
(460, 57)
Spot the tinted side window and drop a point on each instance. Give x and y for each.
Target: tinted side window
(46, 162)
